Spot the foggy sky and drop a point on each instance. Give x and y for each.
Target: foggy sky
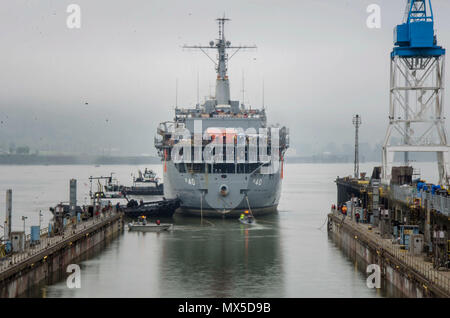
(318, 60)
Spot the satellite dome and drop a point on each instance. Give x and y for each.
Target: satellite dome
(211, 43)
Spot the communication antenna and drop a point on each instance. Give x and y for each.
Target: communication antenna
(357, 124)
(263, 94)
(221, 46)
(176, 93)
(198, 88)
(243, 88)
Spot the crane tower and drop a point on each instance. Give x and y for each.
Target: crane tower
(416, 117)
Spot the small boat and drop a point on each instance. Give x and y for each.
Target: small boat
(142, 225)
(247, 219)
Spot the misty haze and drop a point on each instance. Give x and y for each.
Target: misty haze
(102, 89)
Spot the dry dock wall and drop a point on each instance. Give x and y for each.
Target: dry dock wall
(15, 281)
(356, 245)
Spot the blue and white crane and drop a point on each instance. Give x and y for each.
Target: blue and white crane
(416, 114)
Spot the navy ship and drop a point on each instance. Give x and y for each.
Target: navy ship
(221, 158)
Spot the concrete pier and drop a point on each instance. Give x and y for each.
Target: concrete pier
(21, 271)
(412, 274)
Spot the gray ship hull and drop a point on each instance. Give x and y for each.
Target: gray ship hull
(202, 193)
(224, 151)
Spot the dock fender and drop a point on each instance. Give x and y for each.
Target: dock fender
(330, 224)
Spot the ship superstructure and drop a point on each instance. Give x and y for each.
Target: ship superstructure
(221, 157)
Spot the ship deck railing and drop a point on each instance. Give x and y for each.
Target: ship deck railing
(47, 242)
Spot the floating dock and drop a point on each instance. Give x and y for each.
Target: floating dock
(37, 262)
(401, 228)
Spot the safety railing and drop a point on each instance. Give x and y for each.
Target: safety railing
(409, 194)
(47, 242)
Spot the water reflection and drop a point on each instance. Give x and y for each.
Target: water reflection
(284, 255)
(222, 259)
(360, 271)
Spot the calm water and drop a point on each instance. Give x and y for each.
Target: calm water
(284, 255)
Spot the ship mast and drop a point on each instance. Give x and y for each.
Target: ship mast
(221, 45)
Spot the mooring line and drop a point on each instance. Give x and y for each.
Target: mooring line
(326, 219)
(248, 203)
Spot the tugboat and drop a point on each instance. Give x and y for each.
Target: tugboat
(145, 184)
(159, 209)
(164, 208)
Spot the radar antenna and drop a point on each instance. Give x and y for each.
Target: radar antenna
(221, 45)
